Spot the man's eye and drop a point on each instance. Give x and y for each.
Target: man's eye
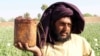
(61, 23)
(69, 24)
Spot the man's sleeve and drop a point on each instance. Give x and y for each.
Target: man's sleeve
(87, 50)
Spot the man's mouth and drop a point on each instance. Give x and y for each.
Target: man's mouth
(63, 34)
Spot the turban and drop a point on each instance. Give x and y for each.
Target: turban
(52, 14)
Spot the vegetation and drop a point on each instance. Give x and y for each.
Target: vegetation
(44, 7)
(91, 32)
(6, 43)
(39, 16)
(2, 19)
(87, 15)
(11, 20)
(26, 15)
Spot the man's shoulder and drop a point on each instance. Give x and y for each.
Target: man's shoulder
(77, 37)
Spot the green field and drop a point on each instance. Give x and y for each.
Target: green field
(91, 33)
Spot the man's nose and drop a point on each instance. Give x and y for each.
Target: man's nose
(65, 27)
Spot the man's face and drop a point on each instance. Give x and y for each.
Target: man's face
(63, 28)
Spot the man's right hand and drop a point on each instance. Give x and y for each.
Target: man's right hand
(36, 50)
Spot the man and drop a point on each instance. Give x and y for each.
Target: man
(57, 32)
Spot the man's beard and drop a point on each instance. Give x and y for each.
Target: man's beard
(61, 39)
(58, 38)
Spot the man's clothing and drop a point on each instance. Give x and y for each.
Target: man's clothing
(76, 46)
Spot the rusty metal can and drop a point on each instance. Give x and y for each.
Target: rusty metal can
(25, 31)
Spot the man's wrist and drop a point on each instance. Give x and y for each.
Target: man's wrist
(37, 53)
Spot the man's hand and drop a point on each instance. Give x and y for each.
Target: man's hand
(19, 46)
(36, 50)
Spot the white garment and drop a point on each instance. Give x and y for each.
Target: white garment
(76, 46)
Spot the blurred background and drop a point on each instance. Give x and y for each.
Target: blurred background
(10, 9)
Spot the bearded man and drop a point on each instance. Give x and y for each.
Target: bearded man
(57, 32)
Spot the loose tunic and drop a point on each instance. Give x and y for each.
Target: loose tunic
(76, 46)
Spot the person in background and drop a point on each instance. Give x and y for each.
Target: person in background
(57, 32)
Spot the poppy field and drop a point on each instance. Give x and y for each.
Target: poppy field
(91, 33)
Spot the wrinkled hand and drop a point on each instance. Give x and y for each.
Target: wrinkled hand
(36, 50)
(19, 46)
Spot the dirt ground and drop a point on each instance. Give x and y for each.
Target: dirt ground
(87, 20)
(92, 19)
(5, 24)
